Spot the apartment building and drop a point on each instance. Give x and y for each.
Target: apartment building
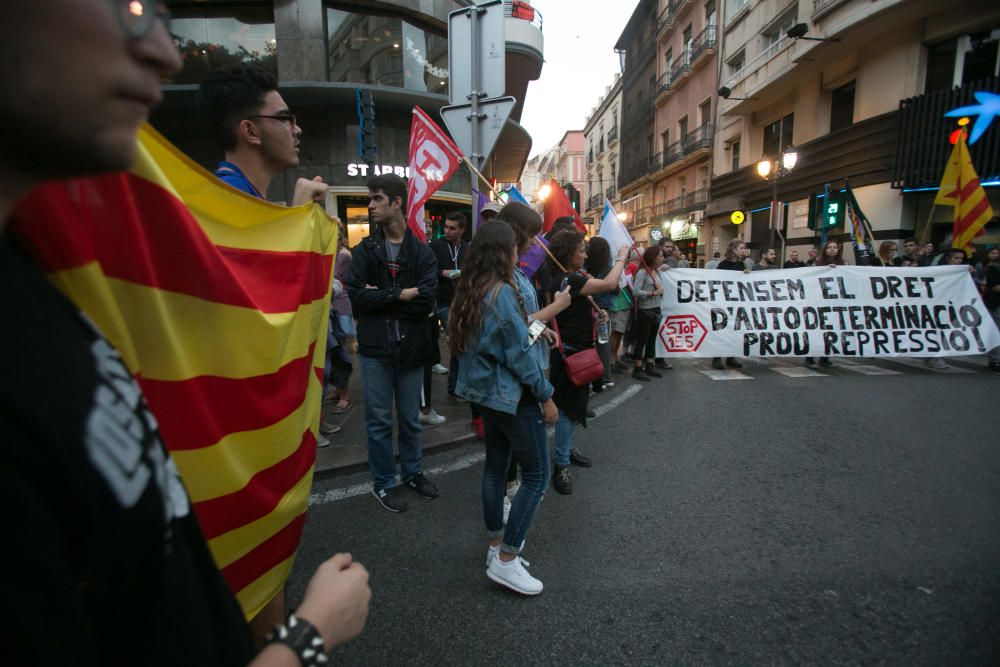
(680, 171)
(637, 48)
(858, 90)
(601, 140)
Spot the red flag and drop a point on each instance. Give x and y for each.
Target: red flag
(433, 159)
(556, 206)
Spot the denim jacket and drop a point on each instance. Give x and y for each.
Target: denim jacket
(499, 363)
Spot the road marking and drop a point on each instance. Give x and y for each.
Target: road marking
(726, 375)
(343, 493)
(798, 372)
(919, 363)
(865, 369)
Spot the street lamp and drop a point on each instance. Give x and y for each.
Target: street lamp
(544, 192)
(623, 216)
(774, 170)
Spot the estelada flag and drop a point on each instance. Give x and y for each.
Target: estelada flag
(433, 159)
(556, 206)
(961, 189)
(218, 303)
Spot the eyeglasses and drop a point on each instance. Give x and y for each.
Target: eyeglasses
(137, 17)
(287, 117)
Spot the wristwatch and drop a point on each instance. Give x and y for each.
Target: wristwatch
(303, 639)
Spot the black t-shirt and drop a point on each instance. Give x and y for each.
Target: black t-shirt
(576, 323)
(448, 259)
(992, 299)
(798, 264)
(728, 265)
(105, 561)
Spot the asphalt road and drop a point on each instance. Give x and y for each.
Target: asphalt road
(836, 519)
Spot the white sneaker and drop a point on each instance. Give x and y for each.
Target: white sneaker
(513, 575)
(432, 418)
(936, 364)
(492, 552)
(439, 369)
(326, 428)
(322, 442)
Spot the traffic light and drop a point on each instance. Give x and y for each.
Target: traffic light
(573, 195)
(833, 210)
(826, 212)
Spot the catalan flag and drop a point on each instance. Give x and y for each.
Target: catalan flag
(218, 303)
(960, 188)
(861, 235)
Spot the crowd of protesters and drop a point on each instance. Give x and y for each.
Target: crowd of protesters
(111, 566)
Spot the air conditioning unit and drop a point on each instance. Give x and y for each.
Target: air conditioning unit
(696, 217)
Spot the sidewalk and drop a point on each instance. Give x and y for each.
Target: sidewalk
(348, 448)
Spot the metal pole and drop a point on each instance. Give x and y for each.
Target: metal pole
(774, 205)
(473, 14)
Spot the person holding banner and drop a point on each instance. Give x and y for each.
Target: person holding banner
(500, 371)
(576, 326)
(829, 255)
(736, 254)
(648, 293)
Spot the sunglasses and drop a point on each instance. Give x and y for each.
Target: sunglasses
(287, 117)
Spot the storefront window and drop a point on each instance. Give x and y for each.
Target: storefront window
(211, 38)
(385, 51)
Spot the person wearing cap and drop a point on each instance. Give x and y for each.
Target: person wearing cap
(489, 212)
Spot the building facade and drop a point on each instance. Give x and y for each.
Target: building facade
(855, 105)
(601, 140)
(637, 48)
(680, 170)
(323, 54)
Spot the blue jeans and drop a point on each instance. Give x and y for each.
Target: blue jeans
(564, 439)
(522, 437)
(443, 314)
(383, 380)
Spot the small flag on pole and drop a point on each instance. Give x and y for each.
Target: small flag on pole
(960, 188)
(433, 159)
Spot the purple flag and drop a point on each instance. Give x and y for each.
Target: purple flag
(481, 201)
(533, 259)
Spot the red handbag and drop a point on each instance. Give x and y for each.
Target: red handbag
(582, 367)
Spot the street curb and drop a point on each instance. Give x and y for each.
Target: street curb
(330, 472)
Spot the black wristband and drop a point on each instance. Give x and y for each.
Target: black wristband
(303, 639)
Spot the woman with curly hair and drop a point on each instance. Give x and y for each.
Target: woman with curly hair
(498, 371)
(576, 325)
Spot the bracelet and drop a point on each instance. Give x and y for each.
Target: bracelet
(303, 639)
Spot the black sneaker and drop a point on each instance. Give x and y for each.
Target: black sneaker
(810, 362)
(561, 480)
(389, 499)
(826, 363)
(637, 374)
(732, 363)
(579, 459)
(652, 372)
(993, 367)
(717, 363)
(591, 414)
(627, 358)
(422, 485)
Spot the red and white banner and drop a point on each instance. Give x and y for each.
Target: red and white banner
(433, 159)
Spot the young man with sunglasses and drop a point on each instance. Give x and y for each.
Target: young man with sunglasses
(107, 562)
(247, 117)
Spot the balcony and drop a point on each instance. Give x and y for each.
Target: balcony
(756, 65)
(594, 201)
(702, 45)
(922, 151)
(612, 135)
(668, 17)
(610, 192)
(683, 203)
(823, 7)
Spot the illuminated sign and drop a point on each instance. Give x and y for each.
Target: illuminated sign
(403, 172)
(737, 217)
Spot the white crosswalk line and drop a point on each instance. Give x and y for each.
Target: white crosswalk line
(865, 369)
(726, 375)
(798, 372)
(919, 363)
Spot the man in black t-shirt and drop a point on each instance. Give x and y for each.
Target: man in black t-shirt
(793, 261)
(106, 563)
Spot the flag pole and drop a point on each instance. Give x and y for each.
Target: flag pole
(468, 163)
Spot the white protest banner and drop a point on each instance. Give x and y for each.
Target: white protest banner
(824, 311)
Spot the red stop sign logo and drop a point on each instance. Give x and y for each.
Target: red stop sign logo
(682, 333)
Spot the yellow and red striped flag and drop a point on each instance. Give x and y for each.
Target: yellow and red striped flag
(218, 303)
(960, 188)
